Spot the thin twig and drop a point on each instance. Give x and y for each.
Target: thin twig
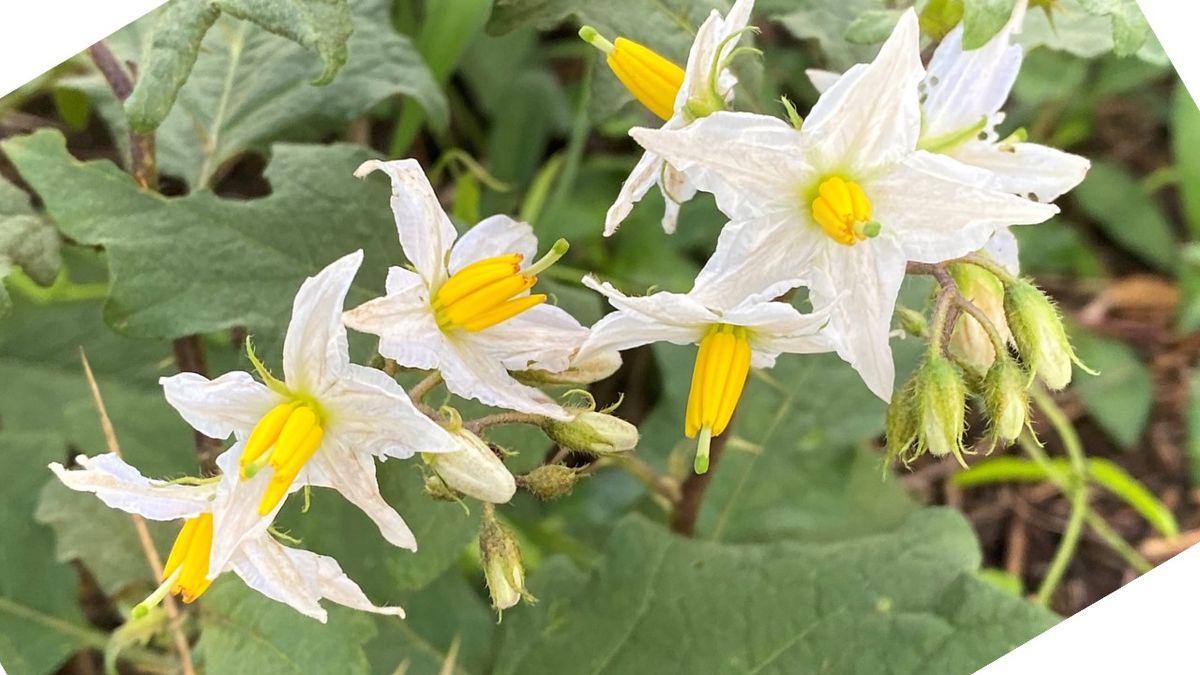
(477, 425)
(640, 469)
(142, 164)
(139, 524)
(420, 390)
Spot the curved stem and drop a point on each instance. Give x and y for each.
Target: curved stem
(420, 390)
(478, 425)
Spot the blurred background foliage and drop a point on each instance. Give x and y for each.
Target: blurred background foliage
(803, 558)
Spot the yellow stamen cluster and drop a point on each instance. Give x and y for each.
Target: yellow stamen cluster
(285, 438)
(843, 211)
(722, 364)
(484, 294)
(187, 566)
(651, 79)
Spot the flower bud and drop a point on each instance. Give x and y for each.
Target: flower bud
(912, 321)
(502, 566)
(549, 481)
(593, 433)
(1038, 330)
(1006, 399)
(592, 368)
(941, 402)
(970, 340)
(901, 427)
(437, 490)
(474, 470)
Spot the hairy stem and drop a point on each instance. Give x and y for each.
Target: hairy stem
(475, 426)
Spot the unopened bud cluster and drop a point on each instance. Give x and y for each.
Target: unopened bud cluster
(502, 567)
(549, 481)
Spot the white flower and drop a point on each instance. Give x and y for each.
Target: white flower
(328, 419)
(475, 470)
(751, 332)
(466, 310)
(961, 99)
(843, 203)
(292, 576)
(704, 86)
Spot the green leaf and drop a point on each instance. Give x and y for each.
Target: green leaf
(39, 607)
(1089, 28)
(1112, 198)
(242, 631)
(982, 19)
(872, 27)
(199, 263)
(250, 87)
(26, 240)
(1130, 490)
(1002, 470)
(909, 599)
(1185, 140)
(322, 26)
(1120, 397)
(827, 24)
(179, 28)
(1129, 27)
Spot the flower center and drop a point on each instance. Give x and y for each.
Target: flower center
(188, 562)
(285, 439)
(489, 291)
(722, 364)
(651, 79)
(843, 211)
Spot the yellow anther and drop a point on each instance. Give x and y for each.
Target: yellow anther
(722, 364)
(189, 557)
(652, 79)
(299, 424)
(477, 275)
(287, 470)
(843, 211)
(266, 432)
(503, 312)
(490, 291)
(487, 298)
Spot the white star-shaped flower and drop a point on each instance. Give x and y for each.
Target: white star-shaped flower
(218, 537)
(751, 332)
(326, 421)
(679, 96)
(466, 310)
(842, 203)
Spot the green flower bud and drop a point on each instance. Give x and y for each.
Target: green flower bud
(1007, 400)
(474, 470)
(593, 433)
(912, 321)
(1038, 330)
(901, 423)
(970, 340)
(941, 402)
(592, 369)
(549, 481)
(502, 566)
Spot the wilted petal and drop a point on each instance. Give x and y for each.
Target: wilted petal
(120, 486)
(232, 403)
(491, 237)
(315, 350)
(372, 414)
(426, 234)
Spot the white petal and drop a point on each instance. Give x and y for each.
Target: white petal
(403, 319)
(273, 570)
(962, 87)
(755, 256)
(235, 510)
(497, 235)
(674, 309)
(676, 190)
(771, 320)
(871, 116)
(861, 282)
(1026, 169)
(822, 80)
(426, 234)
(120, 486)
(934, 217)
(234, 402)
(470, 370)
(544, 337)
(353, 475)
(1004, 250)
(752, 164)
(643, 177)
(703, 53)
(333, 584)
(315, 350)
(370, 413)
(625, 329)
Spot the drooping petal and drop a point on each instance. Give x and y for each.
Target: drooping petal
(403, 320)
(470, 370)
(370, 413)
(962, 87)
(778, 319)
(643, 177)
(871, 116)
(703, 52)
(544, 337)
(625, 329)
(353, 475)
(752, 164)
(121, 486)
(938, 208)
(756, 255)
(1026, 169)
(271, 569)
(674, 309)
(493, 236)
(676, 190)
(232, 403)
(235, 509)
(426, 234)
(315, 350)
(860, 284)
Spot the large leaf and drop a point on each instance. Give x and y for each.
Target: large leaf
(250, 87)
(200, 263)
(1120, 206)
(982, 19)
(1185, 137)
(902, 602)
(26, 240)
(1089, 28)
(827, 24)
(1120, 398)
